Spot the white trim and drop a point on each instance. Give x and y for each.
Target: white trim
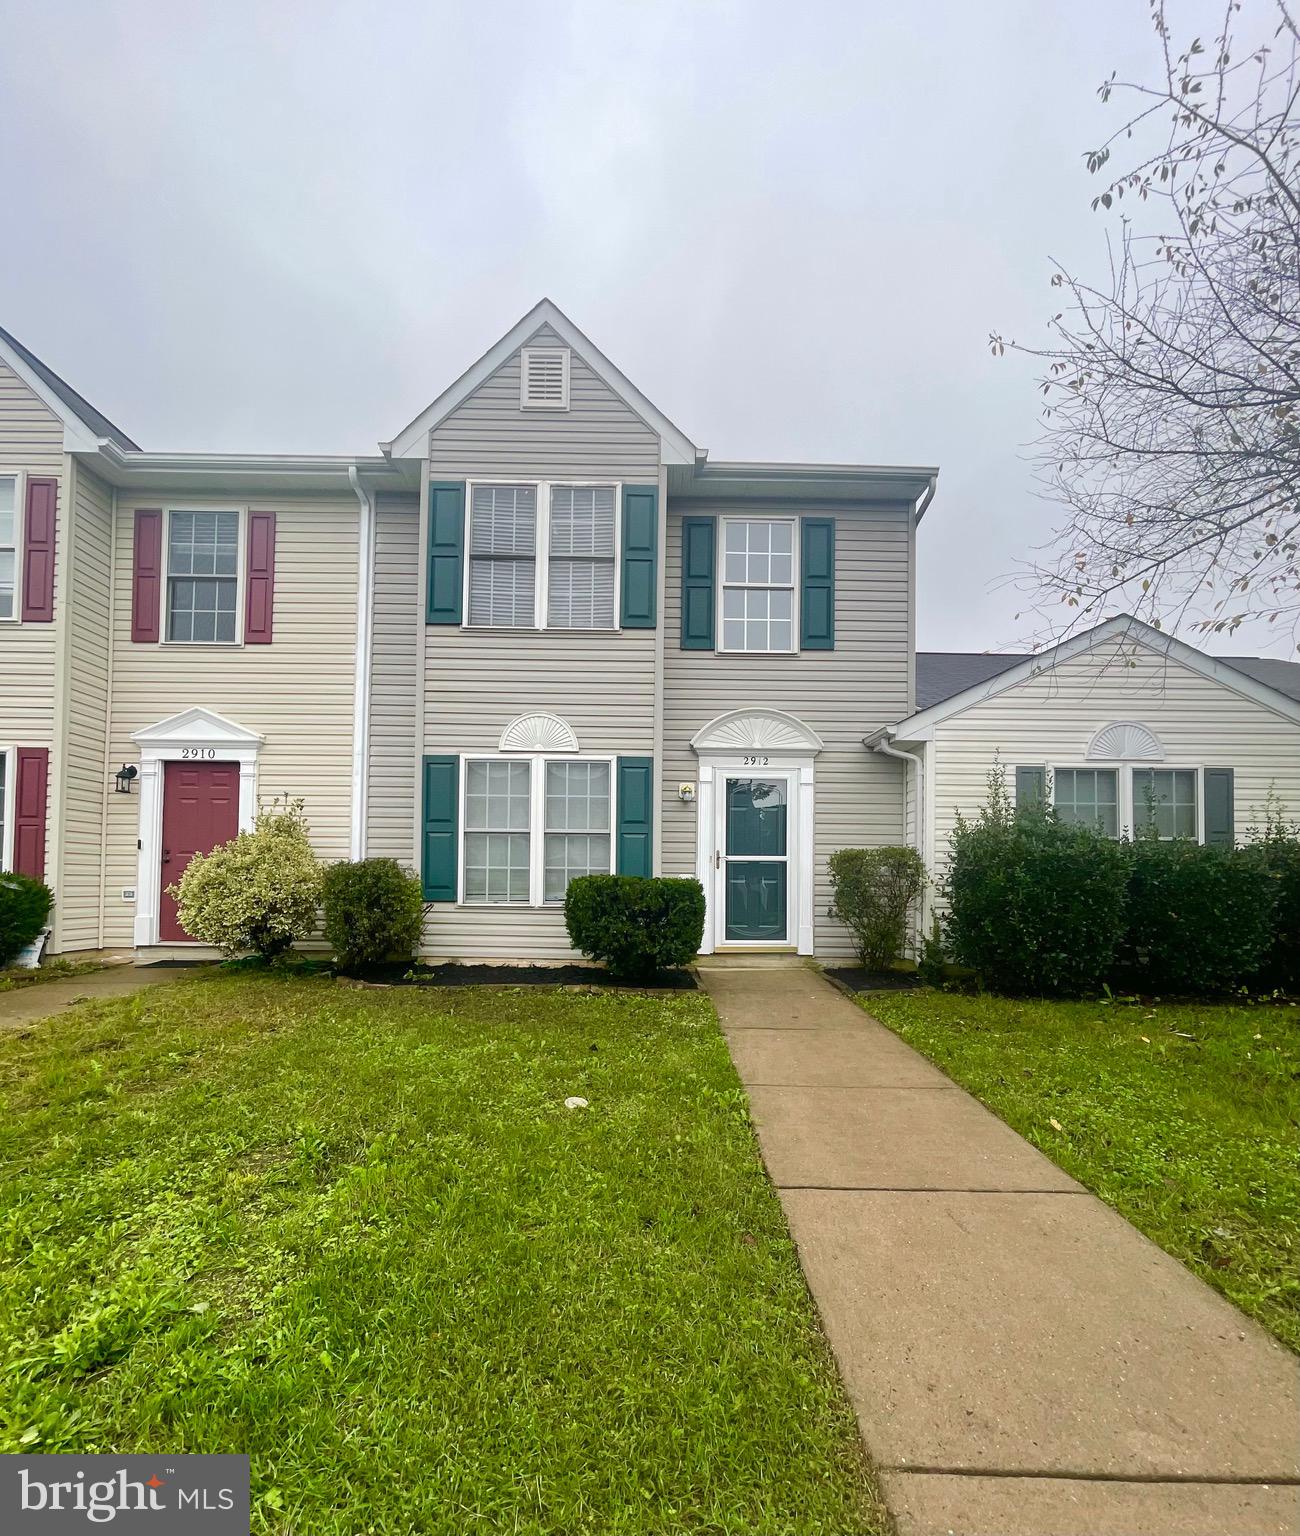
(19, 477)
(796, 538)
(366, 534)
(536, 822)
(240, 577)
(526, 355)
(539, 732)
(195, 730)
(9, 761)
(1125, 800)
(1136, 743)
(919, 726)
(413, 439)
(754, 729)
(77, 436)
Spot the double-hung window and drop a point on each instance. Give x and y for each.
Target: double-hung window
(1088, 797)
(5, 839)
(203, 577)
(8, 547)
(1165, 798)
(534, 823)
(503, 556)
(758, 584)
(580, 567)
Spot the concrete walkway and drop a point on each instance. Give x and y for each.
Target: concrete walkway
(25, 1005)
(1022, 1361)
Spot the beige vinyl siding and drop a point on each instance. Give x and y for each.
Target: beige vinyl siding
(297, 692)
(843, 694)
(390, 805)
(85, 769)
(1051, 718)
(488, 433)
(31, 443)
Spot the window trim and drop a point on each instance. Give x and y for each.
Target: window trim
(542, 534)
(536, 822)
(19, 477)
(795, 521)
(9, 761)
(241, 575)
(1126, 804)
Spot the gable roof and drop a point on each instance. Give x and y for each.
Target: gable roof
(409, 442)
(57, 393)
(948, 682)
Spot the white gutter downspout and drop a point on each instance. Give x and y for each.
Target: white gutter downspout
(880, 742)
(361, 684)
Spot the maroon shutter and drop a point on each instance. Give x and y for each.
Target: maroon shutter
(38, 551)
(146, 577)
(32, 778)
(260, 600)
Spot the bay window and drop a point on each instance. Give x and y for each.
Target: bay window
(758, 584)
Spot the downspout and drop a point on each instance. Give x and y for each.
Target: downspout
(361, 684)
(880, 742)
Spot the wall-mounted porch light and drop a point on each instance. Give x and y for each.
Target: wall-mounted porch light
(124, 777)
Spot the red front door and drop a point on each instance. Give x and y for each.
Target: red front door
(200, 812)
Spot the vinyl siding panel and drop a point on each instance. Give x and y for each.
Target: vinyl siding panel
(31, 442)
(843, 694)
(390, 807)
(85, 776)
(1051, 718)
(297, 691)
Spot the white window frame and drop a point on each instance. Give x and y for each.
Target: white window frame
(1126, 801)
(542, 537)
(795, 521)
(536, 821)
(9, 761)
(241, 575)
(19, 478)
(525, 404)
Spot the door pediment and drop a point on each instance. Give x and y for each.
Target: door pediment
(197, 727)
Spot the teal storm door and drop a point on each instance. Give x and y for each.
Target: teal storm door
(755, 859)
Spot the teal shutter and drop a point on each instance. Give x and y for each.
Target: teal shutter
(446, 552)
(1031, 785)
(439, 842)
(698, 539)
(635, 815)
(1217, 794)
(817, 584)
(640, 556)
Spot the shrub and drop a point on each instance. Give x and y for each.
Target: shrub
(374, 911)
(1276, 847)
(635, 925)
(1200, 918)
(932, 962)
(873, 891)
(259, 892)
(24, 905)
(1035, 905)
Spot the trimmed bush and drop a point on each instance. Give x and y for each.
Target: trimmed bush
(633, 924)
(258, 893)
(1276, 847)
(24, 905)
(373, 912)
(1200, 918)
(873, 890)
(1035, 906)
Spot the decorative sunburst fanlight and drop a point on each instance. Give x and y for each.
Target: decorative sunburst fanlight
(1126, 741)
(539, 733)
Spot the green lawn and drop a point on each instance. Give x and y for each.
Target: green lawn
(357, 1235)
(14, 978)
(1183, 1118)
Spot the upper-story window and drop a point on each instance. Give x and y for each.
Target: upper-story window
(8, 545)
(758, 584)
(542, 556)
(203, 577)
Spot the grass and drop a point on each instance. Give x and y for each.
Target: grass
(1184, 1118)
(357, 1235)
(13, 978)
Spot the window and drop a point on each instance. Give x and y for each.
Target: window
(4, 809)
(1165, 797)
(758, 584)
(577, 825)
(503, 556)
(202, 577)
(580, 569)
(497, 820)
(1087, 797)
(8, 548)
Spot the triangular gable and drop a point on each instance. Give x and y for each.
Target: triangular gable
(411, 442)
(1123, 627)
(198, 726)
(83, 425)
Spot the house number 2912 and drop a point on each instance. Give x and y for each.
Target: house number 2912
(198, 752)
(756, 762)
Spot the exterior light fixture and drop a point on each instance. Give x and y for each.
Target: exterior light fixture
(126, 774)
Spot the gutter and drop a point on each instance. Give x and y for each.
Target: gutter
(361, 681)
(881, 741)
(927, 497)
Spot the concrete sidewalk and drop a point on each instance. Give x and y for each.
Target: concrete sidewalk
(1022, 1361)
(25, 1005)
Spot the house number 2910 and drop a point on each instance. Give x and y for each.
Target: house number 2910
(756, 762)
(198, 751)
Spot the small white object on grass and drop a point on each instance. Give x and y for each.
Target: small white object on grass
(575, 1103)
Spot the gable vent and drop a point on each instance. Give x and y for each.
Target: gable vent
(544, 379)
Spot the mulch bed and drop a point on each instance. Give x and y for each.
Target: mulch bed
(512, 976)
(858, 979)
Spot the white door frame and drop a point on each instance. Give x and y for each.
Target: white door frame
(195, 735)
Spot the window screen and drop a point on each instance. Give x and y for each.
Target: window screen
(202, 576)
(496, 831)
(503, 556)
(580, 572)
(577, 824)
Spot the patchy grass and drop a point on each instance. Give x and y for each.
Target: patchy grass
(1183, 1118)
(357, 1235)
(13, 978)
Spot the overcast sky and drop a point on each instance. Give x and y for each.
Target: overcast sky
(287, 227)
